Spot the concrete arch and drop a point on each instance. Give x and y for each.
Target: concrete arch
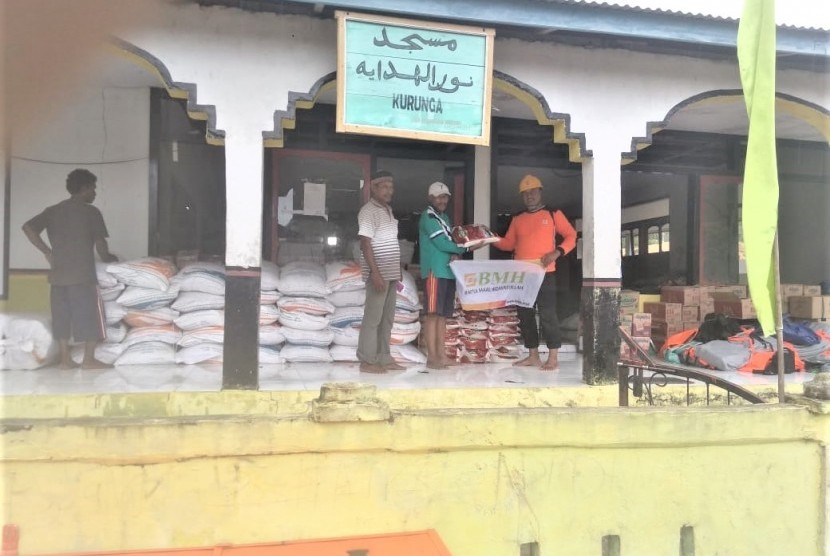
(813, 114)
(176, 89)
(286, 119)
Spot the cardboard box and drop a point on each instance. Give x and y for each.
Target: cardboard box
(736, 308)
(685, 295)
(691, 313)
(629, 298)
(689, 324)
(628, 310)
(664, 311)
(791, 290)
(627, 353)
(641, 325)
(625, 320)
(811, 291)
(810, 307)
(739, 290)
(663, 329)
(707, 305)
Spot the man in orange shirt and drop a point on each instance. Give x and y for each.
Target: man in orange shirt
(532, 237)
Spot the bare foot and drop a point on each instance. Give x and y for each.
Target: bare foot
(552, 364)
(529, 361)
(95, 364)
(68, 365)
(372, 368)
(437, 365)
(392, 366)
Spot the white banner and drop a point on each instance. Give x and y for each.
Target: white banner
(490, 284)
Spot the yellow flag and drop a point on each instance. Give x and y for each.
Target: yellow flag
(756, 58)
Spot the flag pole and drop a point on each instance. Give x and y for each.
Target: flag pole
(779, 319)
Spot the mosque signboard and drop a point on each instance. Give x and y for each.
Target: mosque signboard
(418, 80)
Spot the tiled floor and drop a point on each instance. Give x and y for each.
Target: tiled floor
(310, 376)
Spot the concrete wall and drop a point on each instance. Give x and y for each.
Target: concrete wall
(104, 130)
(749, 480)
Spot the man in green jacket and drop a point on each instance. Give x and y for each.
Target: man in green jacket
(437, 249)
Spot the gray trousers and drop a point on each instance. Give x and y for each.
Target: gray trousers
(376, 328)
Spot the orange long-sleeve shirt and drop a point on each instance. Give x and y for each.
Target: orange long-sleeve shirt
(532, 235)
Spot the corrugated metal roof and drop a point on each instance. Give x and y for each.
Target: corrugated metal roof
(811, 15)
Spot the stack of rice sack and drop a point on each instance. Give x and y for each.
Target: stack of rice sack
(270, 331)
(407, 325)
(201, 308)
(305, 313)
(140, 327)
(348, 296)
(483, 336)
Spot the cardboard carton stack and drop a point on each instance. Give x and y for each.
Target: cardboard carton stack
(638, 324)
(732, 300)
(804, 301)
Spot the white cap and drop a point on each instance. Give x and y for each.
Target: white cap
(438, 188)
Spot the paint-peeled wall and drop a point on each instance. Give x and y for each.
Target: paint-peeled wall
(105, 130)
(746, 480)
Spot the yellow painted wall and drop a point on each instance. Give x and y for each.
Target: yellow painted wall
(28, 293)
(750, 480)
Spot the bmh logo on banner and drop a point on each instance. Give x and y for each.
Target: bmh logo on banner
(485, 285)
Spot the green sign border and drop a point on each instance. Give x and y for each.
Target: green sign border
(422, 132)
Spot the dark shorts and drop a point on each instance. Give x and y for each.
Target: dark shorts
(77, 312)
(439, 296)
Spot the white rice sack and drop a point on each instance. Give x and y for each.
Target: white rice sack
(113, 312)
(105, 279)
(268, 314)
(303, 321)
(115, 333)
(408, 291)
(207, 352)
(166, 333)
(150, 317)
(198, 301)
(271, 335)
(148, 353)
(343, 353)
(111, 294)
(347, 316)
(320, 338)
(217, 269)
(350, 298)
(105, 353)
(344, 276)
(200, 319)
(403, 316)
(136, 297)
(27, 342)
(305, 354)
(149, 272)
(404, 333)
(346, 336)
(269, 356)
(207, 282)
(214, 334)
(269, 297)
(270, 276)
(309, 305)
(303, 279)
(407, 353)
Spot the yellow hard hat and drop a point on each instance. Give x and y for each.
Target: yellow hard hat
(529, 182)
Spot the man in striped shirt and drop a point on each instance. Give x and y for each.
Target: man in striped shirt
(381, 266)
(532, 237)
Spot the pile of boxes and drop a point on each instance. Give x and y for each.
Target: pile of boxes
(803, 301)
(636, 323)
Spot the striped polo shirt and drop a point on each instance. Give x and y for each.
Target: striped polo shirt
(377, 222)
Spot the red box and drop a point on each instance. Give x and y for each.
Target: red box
(663, 329)
(685, 295)
(664, 311)
(736, 308)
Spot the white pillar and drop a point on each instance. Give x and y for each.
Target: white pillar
(601, 216)
(482, 183)
(243, 194)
